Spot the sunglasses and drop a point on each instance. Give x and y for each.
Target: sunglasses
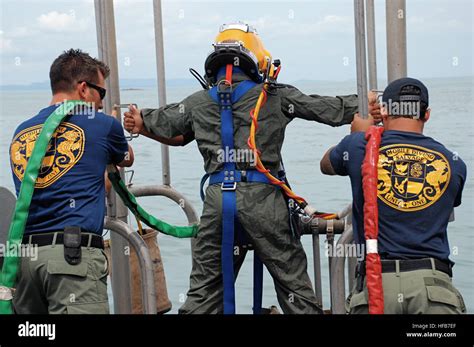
(100, 90)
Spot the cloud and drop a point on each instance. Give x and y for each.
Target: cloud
(55, 21)
(333, 19)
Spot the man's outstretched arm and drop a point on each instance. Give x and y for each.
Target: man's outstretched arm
(163, 125)
(334, 111)
(179, 140)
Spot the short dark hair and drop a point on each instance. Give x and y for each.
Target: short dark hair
(73, 66)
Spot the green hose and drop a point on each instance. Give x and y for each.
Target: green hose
(11, 263)
(130, 201)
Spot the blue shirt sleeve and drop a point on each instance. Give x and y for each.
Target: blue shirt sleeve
(117, 145)
(462, 175)
(339, 156)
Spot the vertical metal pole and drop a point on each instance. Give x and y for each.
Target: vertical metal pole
(331, 257)
(160, 70)
(351, 266)
(361, 59)
(371, 46)
(396, 39)
(352, 261)
(317, 268)
(104, 11)
(338, 283)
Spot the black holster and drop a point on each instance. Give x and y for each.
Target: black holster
(294, 219)
(72, 245)
(360, 275)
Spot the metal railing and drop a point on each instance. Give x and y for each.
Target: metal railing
(337, 278)
(337, 275)
(171, 193)
(146, 266)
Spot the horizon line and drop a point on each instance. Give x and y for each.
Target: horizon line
(32, 84)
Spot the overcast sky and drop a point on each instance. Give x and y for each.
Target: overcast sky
(313, 39)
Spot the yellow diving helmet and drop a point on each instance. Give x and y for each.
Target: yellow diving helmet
(240, 45)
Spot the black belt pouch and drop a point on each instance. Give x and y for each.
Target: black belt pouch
(72, 245)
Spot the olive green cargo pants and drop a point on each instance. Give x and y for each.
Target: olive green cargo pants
(412, 292)
(263, 214)
(49, 284)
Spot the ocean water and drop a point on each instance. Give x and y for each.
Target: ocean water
(451, 123)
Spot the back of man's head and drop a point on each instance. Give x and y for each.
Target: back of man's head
(406, 98)
(75, 66)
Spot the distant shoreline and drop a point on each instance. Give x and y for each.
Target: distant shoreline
(147, 84)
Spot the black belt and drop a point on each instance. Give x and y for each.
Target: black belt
(47, 239)
(411, 265)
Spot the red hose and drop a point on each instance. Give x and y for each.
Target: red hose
(371, 220)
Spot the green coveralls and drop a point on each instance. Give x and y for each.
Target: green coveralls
(262, 208)
(47, 284)
(412, 292)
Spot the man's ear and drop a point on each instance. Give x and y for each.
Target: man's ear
(82, 90)
(427, 115)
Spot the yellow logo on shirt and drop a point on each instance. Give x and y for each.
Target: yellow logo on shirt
(64, 151)
(411, 178)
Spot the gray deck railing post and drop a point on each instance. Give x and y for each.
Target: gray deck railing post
(396, 39)
(338, 291)
(330, 238)
(352, 261)
(160, 70)
(371, 45)
(105, 23)
(361, 59)
(317, 268)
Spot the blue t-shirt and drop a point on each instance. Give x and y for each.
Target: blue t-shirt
(70, 189)
(419, 184)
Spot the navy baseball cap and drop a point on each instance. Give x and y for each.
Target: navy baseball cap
(406, 90)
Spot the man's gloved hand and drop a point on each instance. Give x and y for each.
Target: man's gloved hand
(374, 107)
(133, 121)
